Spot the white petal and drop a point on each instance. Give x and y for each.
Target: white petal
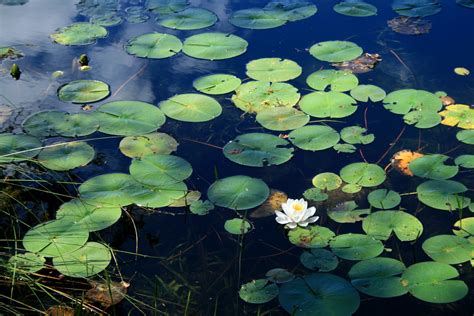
(309, 212)
(303, 223)
(312, 219)
(287, 208)
(291, 225)
(282, 218)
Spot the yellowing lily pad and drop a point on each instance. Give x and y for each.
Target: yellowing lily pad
(459, 115)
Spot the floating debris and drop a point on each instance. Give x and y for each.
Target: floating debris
(402, 159)
(10, 53)
(272, 204)
(107, 294)
(461, 71)
(360, 65)
(409, 26)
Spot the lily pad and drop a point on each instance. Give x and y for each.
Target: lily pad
(351, 188)
(282, 118)
(167, 6)
(384, 199)
(81, 33)
(149, 144)
(258, 150)
(433, 282)
(347, 212)
(273, 69)
(106, 20)
(313, 236)
(214, 46)
(238, 192)
(279, 275)
(86, 261)
(355, 135)
(448, 249)
(433, 167)
(258, 291)
(460, 115)
(83, 91)
(416, 8)
(328, 104)
(319, 294)
(159, 196)
(321, 260)
(256, 96)
(445, 195)
(355, 8)
(465, 161)
(75, 125)
(66, 156)
(190, 197)
(422, 119)
(363, 174)
(154, 45)
(42, 124)
(188, 19)
(292, 10)
(18, 147)
(55, 238)
(10, 52)
(314, 137)
(356, 247)
(191, 107)
(315, 194)
(464, 227)
(257, 19)
(217, 84)
(382, 224)
(160, 170)
(93, 216)
(129, 118)
(364, 93)
(327, 181)
(237, 226)
(26, 262)
(335, 80)
(335, 51)
(201, 207)
(345, 148)
(466, 137)
(378, 277)
(406, 100)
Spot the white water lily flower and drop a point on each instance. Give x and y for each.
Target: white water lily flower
(296, 213)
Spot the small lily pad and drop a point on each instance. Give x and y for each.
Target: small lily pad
(191, 107)
(382, 224)
(433, 167)
(327, 181)
(81, 33)
(347, 212)
(356, 247)
(26, 263)
(460, 115)
(149, 144)
(273, 69)
(335, 80)
(364, 93)
(282, 118)
(335, 51)
(313, 236)
(160, 170)
(18, 147)
(257, 19)
(466, 137)
(237, 226)
(201, 207)
(321, 260)
(314, 137)
(83, 91)
(66, 156)
(279, 275)
(154, 45)
(363, 174)
(384, 199)
(328, 104)
(188, 19)
(258, 291)
(217, 84)
(214, 46)
(42, 124)
(355, 135)
(355, 8)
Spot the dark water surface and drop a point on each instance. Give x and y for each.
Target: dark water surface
(202, 257)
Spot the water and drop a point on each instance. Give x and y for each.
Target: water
(195, 253)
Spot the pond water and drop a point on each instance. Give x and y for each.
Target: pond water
(180, 263)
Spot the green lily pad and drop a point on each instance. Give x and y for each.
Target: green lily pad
(273, 69)
(335, 51)
(149, 144)
(282, 118)
(465, 161)
(315, 194)
(81, 33)
(384, 199)
(26, 262)
(445, 195)
(217, 84)
(256, 96)
(363, 174)
(345, 148)
(355, 135)
(214, 46)
(327, 181)
(43, 124)
(292, 10)
(83, 91)
(335, 80)
(448, 249)
(167, 6)
(55, 238)
(466, 137)
(321, 260)
(279, 275)
(91, 215)
(10, 52)
(347, 212)
(319, 294)
(160, 170)
(382, 224)
(237, 226)
(313, 236)
(18, 147)
(75, 125)
(66, 156)
(257, 19)
(416, 8)
(258, 291)
(258, 150)
(378, 277)
(188, 19)
(190, 197)
(422, 119)
(159, 196)
(86, 261)
(351, 188)
(464, 227)
(154, 45)
(328, 104)
(314, 137)
(356, 247)
(433, 167)
(201, 207)
(433, 282)
(129, 118)
(364, 93)
(355, 8)
(106, 20)
(406, 100)
(191, 107)
(238, 192)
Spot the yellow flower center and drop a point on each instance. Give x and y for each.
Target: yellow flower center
(297, 207)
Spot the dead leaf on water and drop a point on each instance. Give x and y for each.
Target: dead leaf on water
(409, 26)
(107, 294)
(60, 310)
(272, 204)
(402, 159)
(362, 64)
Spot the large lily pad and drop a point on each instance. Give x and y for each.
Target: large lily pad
(363, 174)
(282, 118)
(406, 100)
(81, 33)
(258, 291)
(422, 119)
(66, 156)
(314, 137)
(238, 192)
(382, 224)
(366, 92)
(335, 80)
(83, 91)
(43, 124)
(319, 259)
(445, 195)
(335, 51)
(160, 170)
(258, 150)
(188, 19)
(448, 249)
(214, 46)
(433, 282)
(14, 148)
(355, 8)
(356, 135)
(154, 45)
(314, 236)
(75, 125)
(384, 199)
(293, 10)
(149, 144)
(129, 118)
(160, 196)
(319, 294)
(433, 167)
(217, 84)
(465, 161)
(356, 247)
(328, 104)
(466, 137)
(257, 19)
(464, 227)
(273, 69)
(191, 107)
